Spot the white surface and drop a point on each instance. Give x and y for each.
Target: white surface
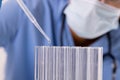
(3, 58)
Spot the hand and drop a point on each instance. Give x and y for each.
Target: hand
(115, 3)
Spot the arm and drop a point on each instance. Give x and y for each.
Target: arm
(8, 21)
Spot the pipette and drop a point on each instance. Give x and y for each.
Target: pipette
(32, 19)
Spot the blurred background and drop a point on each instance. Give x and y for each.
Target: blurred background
(3, 58)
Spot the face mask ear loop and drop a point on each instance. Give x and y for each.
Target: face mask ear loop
(111, 56)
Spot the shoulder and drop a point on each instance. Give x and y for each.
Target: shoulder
(10, 8)
(9, 13)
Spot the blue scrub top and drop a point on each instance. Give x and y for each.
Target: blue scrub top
(19, 36)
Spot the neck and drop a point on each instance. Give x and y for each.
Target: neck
(81, 41)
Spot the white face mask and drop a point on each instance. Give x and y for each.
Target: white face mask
(91, 18)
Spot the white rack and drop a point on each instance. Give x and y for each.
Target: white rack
(68, 63)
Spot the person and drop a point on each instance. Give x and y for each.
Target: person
(61, 20)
